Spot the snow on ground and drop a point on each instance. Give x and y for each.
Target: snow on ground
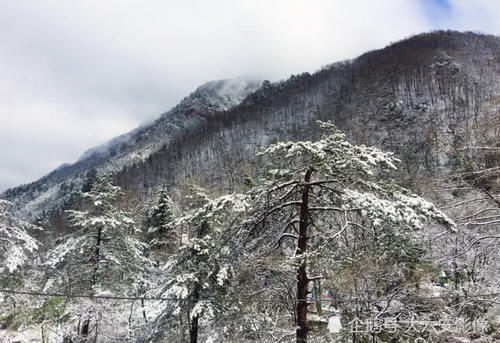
(30, 335)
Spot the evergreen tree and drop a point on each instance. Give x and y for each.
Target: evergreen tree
(103, 249)
(199, 275)
(160, 227)
(89, 180)
(101, 255)
(317, 191)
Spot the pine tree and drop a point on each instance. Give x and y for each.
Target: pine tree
(199, 275)
(317, 191)
(323, 209)
(160, 229)
(101, 255)
(103, 248)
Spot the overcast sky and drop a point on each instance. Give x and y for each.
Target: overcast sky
(74, 74)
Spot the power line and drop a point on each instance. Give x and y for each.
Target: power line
(117, 297)
(90, 296)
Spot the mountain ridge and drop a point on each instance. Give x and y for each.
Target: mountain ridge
(217, 95)
(437, 78)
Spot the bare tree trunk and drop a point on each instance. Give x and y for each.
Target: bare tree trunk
(317, 292)
(85, 330)
(193, 325)
(142, 304)
(97, 256)
(96, 331)
(130, 321)
(302, 280)
(144, 311)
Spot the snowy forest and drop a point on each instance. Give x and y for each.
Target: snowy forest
(358, 204)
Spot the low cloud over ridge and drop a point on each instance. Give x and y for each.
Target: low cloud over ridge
(75, 74)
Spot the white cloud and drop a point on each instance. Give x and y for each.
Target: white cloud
(76, 73)
(475, 15)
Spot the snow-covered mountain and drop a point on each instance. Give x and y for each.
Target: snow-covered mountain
(54, 190)
(416, 97)
(237, 241)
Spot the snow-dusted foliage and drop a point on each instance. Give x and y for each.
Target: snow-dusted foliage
(200, 275)
(319, 200)
(343, 178)
(161, 232)
(355, 174)
(102, 256)
(372, 248)
(103, 251)
(160, 215)
(17, 243)
(324, 215)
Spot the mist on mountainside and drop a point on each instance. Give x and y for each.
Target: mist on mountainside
(254, 211)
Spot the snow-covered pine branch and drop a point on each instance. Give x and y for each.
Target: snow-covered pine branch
(311, 188)
(103, 250)
(202, 268)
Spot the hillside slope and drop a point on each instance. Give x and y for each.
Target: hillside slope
(419, 97)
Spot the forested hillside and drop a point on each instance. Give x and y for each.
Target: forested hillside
(366, 194)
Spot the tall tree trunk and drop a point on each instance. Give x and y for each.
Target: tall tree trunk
(130, 321)
(96, 336)
(193, 330)
(202, 230)
(141, 294)
(317, 292)
(97, 256)
(144, 311)
(193, 322)
(302, 280)
(85, 330)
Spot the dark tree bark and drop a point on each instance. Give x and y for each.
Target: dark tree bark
(302, 280)
(144, 311)
(85, 329)
(193, 325)
(141, 293)
(97, 256)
